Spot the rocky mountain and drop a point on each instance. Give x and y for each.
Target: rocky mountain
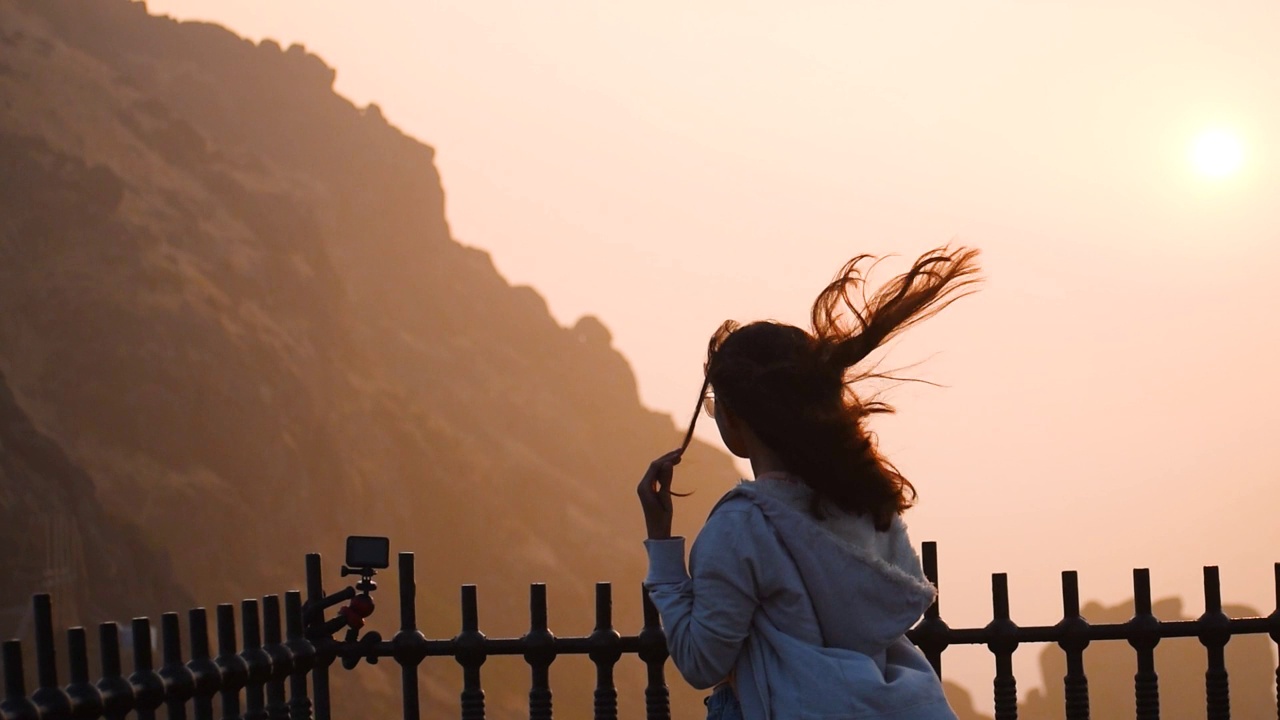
(70, 546)
(232, 298)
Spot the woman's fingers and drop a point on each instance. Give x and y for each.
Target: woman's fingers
(670, 458)
(661, 470)
(655, 493)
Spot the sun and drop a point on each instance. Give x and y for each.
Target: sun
(1217, 153)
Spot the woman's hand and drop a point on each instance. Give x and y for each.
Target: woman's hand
(655, 495)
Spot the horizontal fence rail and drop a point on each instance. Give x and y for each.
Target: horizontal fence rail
(262, 673)
(470, 648)
(1073, 634)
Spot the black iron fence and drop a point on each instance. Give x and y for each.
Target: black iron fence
(275, 675)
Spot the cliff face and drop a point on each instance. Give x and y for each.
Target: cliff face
(232, 297)
(67, 545)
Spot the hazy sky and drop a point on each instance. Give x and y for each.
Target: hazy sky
(665, 165)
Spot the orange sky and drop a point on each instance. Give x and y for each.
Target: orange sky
(665, 165)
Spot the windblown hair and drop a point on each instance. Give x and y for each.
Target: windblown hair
(794, 388)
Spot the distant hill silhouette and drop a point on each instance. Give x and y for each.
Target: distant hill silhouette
(961, 701)
(1110, 667)
(232, 298)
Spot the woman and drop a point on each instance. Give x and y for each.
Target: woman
(803, 582)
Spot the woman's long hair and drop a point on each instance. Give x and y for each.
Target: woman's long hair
(794, 388)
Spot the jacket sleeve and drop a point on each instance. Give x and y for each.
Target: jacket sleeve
(707, 614)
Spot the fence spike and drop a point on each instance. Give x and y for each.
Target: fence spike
(1070, 594)
(929, 553)
(1000, 596)
(408, 593)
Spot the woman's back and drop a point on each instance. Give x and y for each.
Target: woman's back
(803, 583)
(787, 603)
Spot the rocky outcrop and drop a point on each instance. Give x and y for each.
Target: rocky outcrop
(58, 539)
(232, 297)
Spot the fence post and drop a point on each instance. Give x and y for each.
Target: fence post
(117, 692)
(281, 658)
(49, 697)
(304, 657)
(1144, 635)
(16, 705)
(1074, 641)
(205, 675)
(235, 671)
(653, 651)
(409, 646)
(86, 701)
(323, 645)
(148, 687)
(1215, 630)
(179, 685)
(1003, 643)
(539, 652)
(931, 634)
(257, 660)
(470, 653)
(605, 652)
(1275, 632)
